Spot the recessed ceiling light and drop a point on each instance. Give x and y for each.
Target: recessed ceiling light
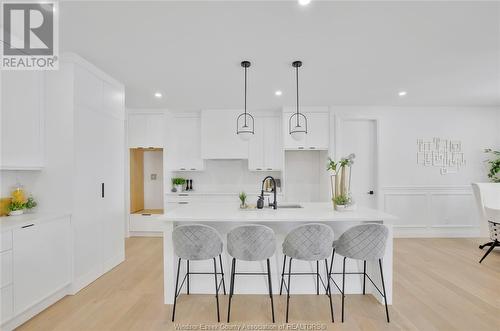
(158, 95)
(304, 2)
(278, 93)
(402, 93)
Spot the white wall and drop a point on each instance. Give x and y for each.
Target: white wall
(153, 189)
(226, 176)
(428, 203)
(306, 178)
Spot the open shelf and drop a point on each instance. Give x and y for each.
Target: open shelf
(146, 181)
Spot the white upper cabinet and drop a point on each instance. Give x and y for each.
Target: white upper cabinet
(318, 129)
(186, 147)
(265, 152)
(220, 141)
(146, 130)
(22, 132)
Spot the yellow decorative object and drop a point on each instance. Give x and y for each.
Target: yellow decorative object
(18, 195)
(4, 206)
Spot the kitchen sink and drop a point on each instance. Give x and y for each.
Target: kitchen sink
(289, 206)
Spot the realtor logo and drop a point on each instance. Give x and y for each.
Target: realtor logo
(30, 38)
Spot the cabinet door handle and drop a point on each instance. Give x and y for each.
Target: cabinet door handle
(182, 168)
(146, 214)
(102, 190)
(312, 147)
(183, 202)
(193, 168)
(183, 194)
(258, 169)
(301, 147)
(27, 226)
(269, 168)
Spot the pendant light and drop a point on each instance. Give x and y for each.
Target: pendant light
(297, 124)
(245, 121)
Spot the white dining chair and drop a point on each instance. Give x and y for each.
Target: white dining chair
(487, 195)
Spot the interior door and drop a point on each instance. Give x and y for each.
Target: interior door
(359, 136)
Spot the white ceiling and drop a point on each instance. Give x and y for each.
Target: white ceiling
(354, 53)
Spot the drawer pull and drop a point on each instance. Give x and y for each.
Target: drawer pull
(193, 168)
(183, 202)
(26, 226)
(183, 194)
(269, 168)
(301, 147)
(146, 214)
(312, 147)
(182, 168)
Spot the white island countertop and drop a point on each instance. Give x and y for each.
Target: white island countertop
(311, 211)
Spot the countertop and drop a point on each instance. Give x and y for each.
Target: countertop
(12, 222)
(311, 212)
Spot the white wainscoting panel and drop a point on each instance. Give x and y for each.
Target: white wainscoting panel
(428, 211)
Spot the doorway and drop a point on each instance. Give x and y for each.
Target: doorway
(146, 181)
(360, 136)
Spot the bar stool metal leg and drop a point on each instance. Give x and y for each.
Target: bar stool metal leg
(176, 286)
(222, 273)
(231, 288)
(364, 276)
(343, 289)
(216, 289)
(270, 287)
(187, 276)
(329, 290)
(383, 288)
(288, 288)
(283, 274)
(317, 277)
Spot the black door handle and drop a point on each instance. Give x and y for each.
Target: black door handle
(371, 192)
(102, 190)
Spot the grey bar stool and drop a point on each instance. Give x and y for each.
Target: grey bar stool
(251, 243)
(309, 242)
(362, 242)
(195, 243)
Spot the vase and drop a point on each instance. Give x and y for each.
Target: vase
(178, 188)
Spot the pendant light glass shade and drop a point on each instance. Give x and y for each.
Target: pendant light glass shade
(297, 124)
(245, 122)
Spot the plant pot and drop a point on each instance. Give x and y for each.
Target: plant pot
(342, 208)
(16, 212)
(178, 188)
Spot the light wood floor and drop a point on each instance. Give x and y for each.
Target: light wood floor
(438, 285)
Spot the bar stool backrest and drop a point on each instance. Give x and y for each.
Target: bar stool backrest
(251, 243)
(363, 242)
(493, 216)
(309, 242)
(196, 242)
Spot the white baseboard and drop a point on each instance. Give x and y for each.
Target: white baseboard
(23, 317)
(146, 234)
(436, 231)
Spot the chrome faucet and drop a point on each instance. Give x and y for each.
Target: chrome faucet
(260, 202)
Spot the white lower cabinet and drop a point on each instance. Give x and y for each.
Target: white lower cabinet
(36, 269)
(41, 261)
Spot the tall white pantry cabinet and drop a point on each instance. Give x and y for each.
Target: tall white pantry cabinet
(96, 180)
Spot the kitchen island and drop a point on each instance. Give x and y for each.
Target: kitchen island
(225, 217)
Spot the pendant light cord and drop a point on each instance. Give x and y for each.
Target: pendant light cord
(297, 79)
(245, 98)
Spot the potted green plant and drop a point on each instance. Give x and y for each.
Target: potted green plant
(243, 200)
(16, 208)
(342, 202)
(178, 183)
(494, 165)
(30, 203)
(340, 179)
